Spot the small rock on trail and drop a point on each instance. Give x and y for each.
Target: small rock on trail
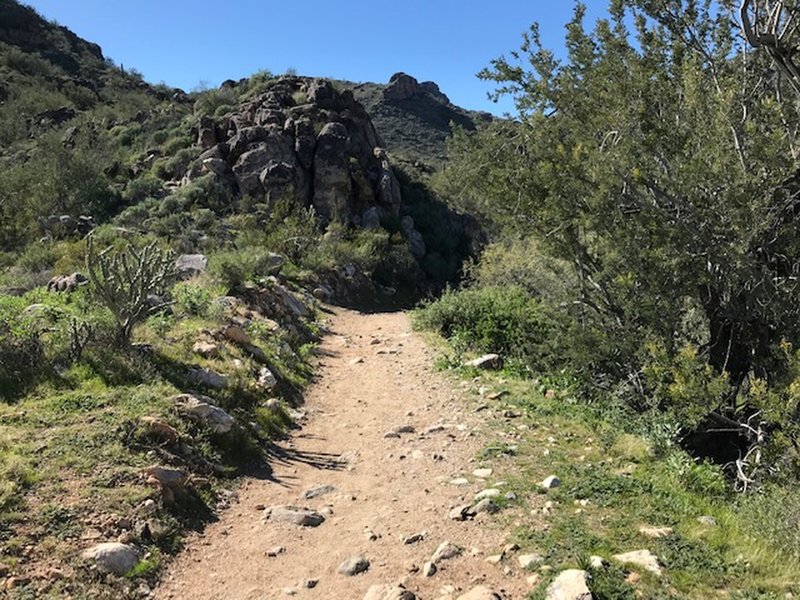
(302, 517)
(354, 565)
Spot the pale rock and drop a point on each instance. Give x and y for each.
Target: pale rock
(202, 409)
(641, 558)
(267, 379)
(302, 517)
(597, 563)
(113, 557)
(527, 561)
(354, 565)
(446, 551)
(487, 493)
(487, 361)
(655, 532)
(482, 473)
(208, 377)
(569, 585)
(206, 349)
(487, 505)
(158, 428)
(317, 491)
(188, 265)
(551, 482)
(166, 476)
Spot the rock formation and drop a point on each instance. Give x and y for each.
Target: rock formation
(306, 142)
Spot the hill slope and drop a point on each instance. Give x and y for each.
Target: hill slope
(414, 119)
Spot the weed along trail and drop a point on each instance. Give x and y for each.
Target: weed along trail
(374, 489)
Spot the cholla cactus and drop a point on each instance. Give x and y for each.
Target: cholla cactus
(126, 280)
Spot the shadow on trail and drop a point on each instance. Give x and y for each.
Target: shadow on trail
(263, 470)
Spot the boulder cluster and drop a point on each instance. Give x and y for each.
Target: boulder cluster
(306, 142)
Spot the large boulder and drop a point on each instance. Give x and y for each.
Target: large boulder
(332, 182)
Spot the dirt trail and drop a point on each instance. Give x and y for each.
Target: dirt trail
(375, 375)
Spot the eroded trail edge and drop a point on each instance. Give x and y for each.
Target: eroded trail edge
(385, 453)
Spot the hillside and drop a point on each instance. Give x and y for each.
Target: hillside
(414, 119)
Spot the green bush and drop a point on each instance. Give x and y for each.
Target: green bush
(144, 187)
(519, 262)
(503, 320)
(232, 268)
(773, 514)
(37, 257)
(192, 299)
(208, 102)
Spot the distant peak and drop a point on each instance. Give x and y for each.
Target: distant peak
(403, 87)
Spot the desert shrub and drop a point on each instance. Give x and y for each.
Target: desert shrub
(223, 110)
(37, 257)
(773, 514)
(503, 320)
(208, 192)
(232, 268)
(176, 166)
(159, 137)
(190, 299)
(283, 227)
(258, 83)
(22, 353)
(384, 255)
(518, 262)
(683, 384)
(143, 187)
(175, 144)
(26, 63)
(209, 101)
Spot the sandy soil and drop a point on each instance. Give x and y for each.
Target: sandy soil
(375, 375)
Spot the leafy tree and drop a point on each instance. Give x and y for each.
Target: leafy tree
(658, 160)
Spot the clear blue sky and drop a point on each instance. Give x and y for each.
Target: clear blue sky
(185, 43)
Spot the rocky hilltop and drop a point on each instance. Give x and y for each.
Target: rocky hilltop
(414, 118)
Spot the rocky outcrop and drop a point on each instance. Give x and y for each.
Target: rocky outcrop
(67, 283)
(305, 142)
(404, 87)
